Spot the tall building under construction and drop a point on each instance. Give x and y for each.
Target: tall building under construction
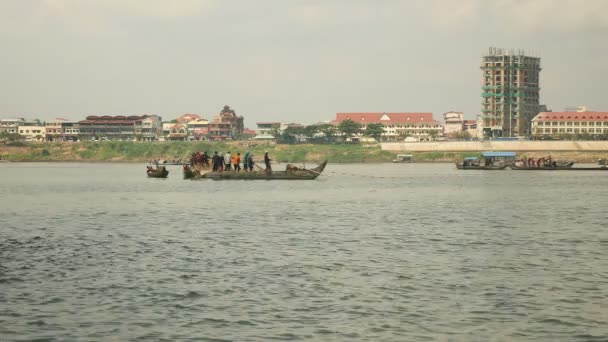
(510, 92)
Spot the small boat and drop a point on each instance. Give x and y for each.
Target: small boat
(602, 162)
(291, 173)
(158, 172)
(403, 158)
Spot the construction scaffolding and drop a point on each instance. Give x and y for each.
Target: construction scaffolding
(510, 92)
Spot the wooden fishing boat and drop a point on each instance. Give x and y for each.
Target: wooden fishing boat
(159, 172)
(558, 168)
(291, 173)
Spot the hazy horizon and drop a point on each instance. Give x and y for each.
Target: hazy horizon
(300, 61)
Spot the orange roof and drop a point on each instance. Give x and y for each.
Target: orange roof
(571, 116)
(386, 117)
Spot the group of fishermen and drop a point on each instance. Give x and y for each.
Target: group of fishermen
(538, 162)
(228, 162)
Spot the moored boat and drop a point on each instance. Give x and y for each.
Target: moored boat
(291, 173)
(489, 161)
(403, 158)
(549, 168)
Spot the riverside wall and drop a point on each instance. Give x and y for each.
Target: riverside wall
(492, 145)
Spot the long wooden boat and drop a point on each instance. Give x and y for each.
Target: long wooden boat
(291, 173)
(461, 166)
(160, 172)
(557, 168)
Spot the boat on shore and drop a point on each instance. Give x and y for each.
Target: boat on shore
(158, 172)
(403, 158)
(291, 173)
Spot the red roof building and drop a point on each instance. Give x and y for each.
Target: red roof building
(570, 123)
(397, 126)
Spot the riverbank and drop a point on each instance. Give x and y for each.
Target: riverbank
(118, 151)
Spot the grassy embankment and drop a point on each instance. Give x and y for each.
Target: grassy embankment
(116, 151)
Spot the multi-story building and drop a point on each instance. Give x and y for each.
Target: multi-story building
(125, 128)
(227, 125)
(510, 92)
(397, 126)
(11, 125)
(71, 130)
(563, 124)
(198, 129)
(54, 129)
(32, 131)
(264, 130)
(454, 123)
(151, 128)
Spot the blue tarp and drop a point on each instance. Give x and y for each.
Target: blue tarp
(498, 154)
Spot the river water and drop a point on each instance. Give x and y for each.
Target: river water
(383, 252)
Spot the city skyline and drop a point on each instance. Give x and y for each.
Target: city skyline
(296, 61)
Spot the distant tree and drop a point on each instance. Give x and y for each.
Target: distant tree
(6, 136)
(433, 134)
(349, 128)
(374, 130)
(310, 131)
(328, 130)
(275, 132)
(290, 134)
(463, 135)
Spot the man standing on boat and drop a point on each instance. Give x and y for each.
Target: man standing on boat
(267, 161)
(227, 161)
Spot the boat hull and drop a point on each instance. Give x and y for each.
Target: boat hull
(159, 173)
(299, 174)
(520, 168)
(479, 167)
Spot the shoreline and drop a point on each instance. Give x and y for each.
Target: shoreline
(138, 152)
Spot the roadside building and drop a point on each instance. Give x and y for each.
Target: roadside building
(151, 128)
(397, 126)
(470, 126)
(198, 129)
(122, 128)
(32, 131)
(454, 123)
(564, 124)
(264, 130)
(226, 125)
(11, 125)
(71, 130)
(177, 132)
(54, 129)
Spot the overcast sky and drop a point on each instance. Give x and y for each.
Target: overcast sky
(279, 60)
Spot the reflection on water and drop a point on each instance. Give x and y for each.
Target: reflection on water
(385, 252)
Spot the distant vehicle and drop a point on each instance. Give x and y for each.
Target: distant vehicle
(403, 158)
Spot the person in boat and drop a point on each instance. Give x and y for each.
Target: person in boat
(250, 163)
(246, 161)
(227, 161)
(215, 160)
(149, 169)
(236, 161)
(267, 161)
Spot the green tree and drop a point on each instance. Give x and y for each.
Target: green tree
(463, 135)
(275, 132)
(433, 134)
(349, 128)
(310, 131)
(328, 130)
(374, 130)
